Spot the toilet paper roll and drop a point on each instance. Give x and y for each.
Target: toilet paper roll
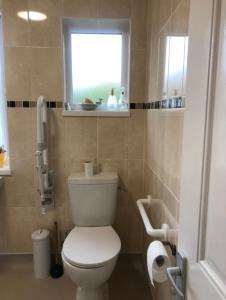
(157, 262)
(88, 168)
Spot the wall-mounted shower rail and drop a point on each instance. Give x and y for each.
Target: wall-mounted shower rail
(154, 233)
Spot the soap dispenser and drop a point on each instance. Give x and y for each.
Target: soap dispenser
(112, 100)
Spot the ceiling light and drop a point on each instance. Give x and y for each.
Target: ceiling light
(31, 15)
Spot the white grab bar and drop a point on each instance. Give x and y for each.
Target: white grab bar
(154, 233)
(44, 175)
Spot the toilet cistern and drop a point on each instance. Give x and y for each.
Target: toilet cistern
(91, 249)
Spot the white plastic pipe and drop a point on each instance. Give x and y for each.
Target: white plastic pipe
(154, 233)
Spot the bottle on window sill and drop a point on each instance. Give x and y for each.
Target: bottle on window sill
(122, 99)
(112, 99)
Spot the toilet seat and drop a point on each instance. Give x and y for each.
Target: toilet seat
(91, 247)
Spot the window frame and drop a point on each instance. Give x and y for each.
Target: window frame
(3, 107)
(95, 26)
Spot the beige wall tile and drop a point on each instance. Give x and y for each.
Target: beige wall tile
(13, 6)
(139, 24)
(19, 224)
(135, 179)
(115, 9)
(154, 16)
(165, 8)
(81, 135)
(3, 244)
(80, 8)
(60, 176)
(20, 189)
(46, 33)
(138, 76)
(21, 132)
(17, 72)
(154, 141)
(135, 134)
(152, 76)
(175, 3)
(46, 73)
(57, 133)
(134, 241)
(111, 138)
(47, 7)
(119, 166)
(121, 226)
(16, 31)
(171, 132)
(180, 19)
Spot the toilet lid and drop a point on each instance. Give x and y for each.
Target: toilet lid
(91, 246)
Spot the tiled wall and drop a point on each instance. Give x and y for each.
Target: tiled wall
(164, 128)
(33, 66)
(145, 149)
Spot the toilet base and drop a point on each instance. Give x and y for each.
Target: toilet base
(99, 293)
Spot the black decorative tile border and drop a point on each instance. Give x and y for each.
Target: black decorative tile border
(172, 103)
(32, 104)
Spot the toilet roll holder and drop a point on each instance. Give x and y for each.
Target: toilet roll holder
(178, 275)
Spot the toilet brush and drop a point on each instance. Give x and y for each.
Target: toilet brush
(57, 269)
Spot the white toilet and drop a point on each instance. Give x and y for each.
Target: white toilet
(91, 249)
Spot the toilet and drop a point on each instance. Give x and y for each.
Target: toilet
(91, 249)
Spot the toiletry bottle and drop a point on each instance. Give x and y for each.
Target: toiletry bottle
(112, 100)
(122, 99)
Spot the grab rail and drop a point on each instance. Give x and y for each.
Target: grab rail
(154, 233)
(45, 176)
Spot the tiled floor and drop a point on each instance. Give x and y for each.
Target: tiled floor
(128, 281)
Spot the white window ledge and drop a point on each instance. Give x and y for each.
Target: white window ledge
(6, 171)
(95, 113)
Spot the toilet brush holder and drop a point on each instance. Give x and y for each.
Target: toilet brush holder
(57, 269)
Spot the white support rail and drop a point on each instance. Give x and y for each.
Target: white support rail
(45, 176)
(154, 233)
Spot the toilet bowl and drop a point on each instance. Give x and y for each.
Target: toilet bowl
(91, 249)
(89, 256)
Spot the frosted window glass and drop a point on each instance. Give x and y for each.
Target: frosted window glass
(96, 65)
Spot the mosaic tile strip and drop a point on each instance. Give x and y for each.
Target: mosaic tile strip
(31, 104)
(172, 103)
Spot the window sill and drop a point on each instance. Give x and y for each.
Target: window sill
(95, 113)
(6, 171)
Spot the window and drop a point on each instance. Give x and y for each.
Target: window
(4, 169)
(95, 74)
(175, 65)
(96, 54)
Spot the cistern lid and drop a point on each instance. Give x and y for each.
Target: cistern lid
(100, 178)
(90, 247)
